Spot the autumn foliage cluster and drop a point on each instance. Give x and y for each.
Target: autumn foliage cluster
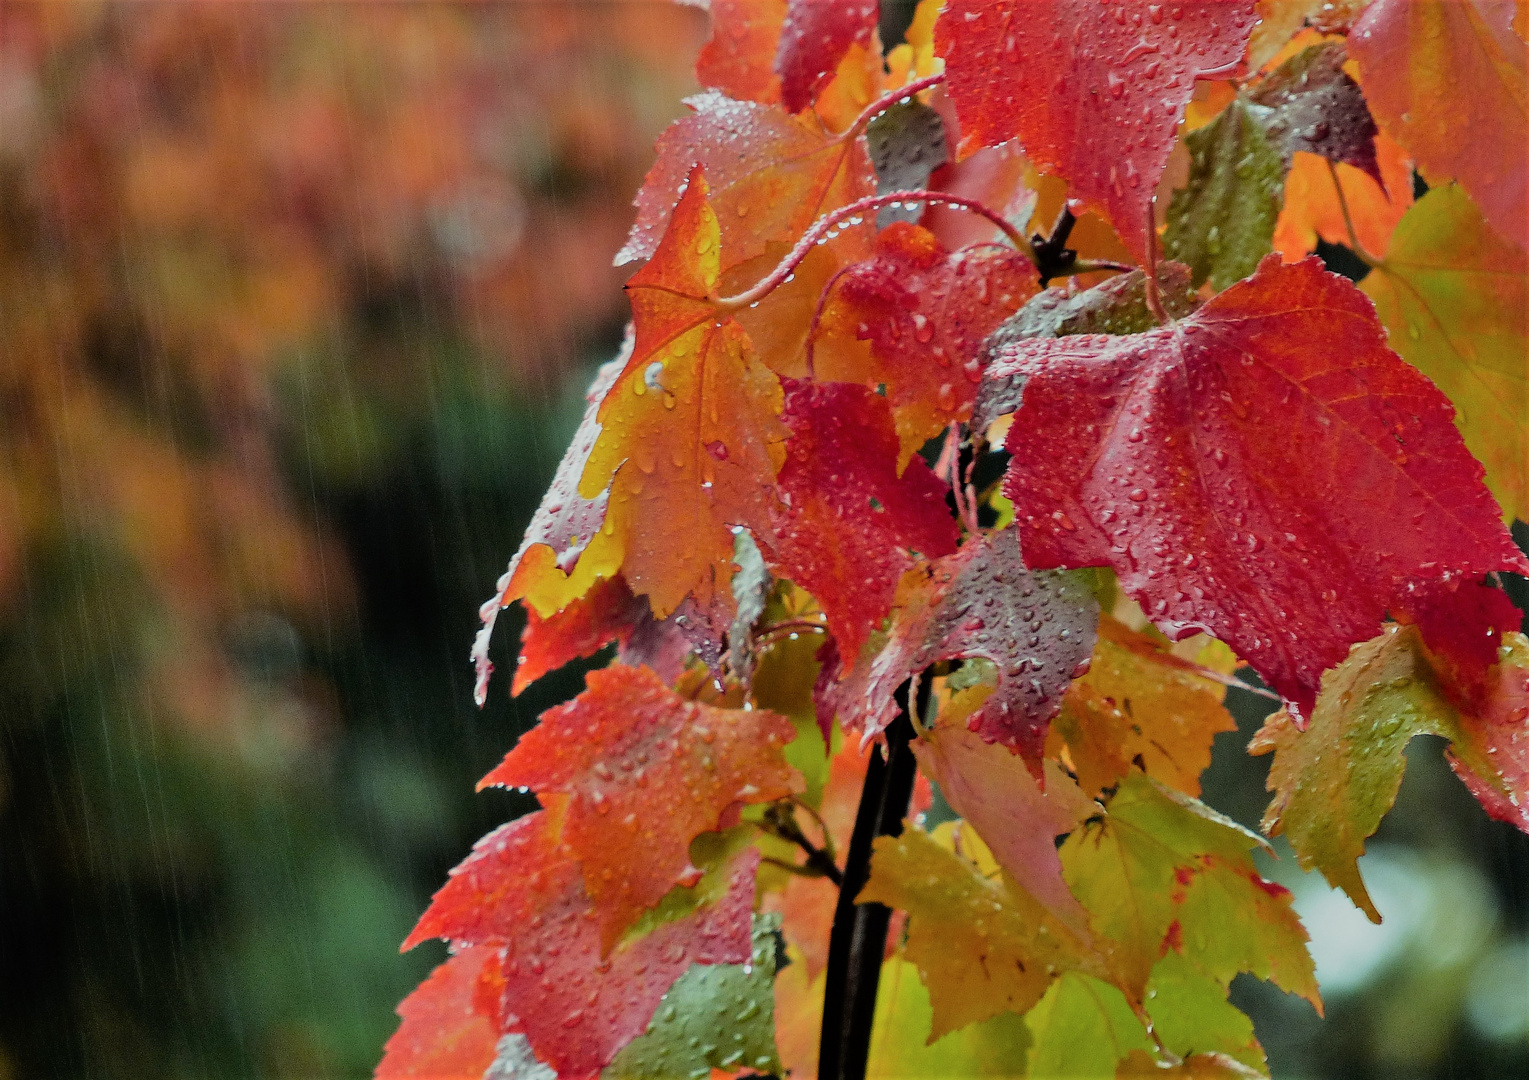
(983, 406)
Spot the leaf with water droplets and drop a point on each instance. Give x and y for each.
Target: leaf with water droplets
(995, 793)
(1312, 210)
(739, 57)
(1190, 1012)
(906, 144)
(925, 313)
(848, 523)
(1432, 69)
(1453, 299)
(564, 551)
(646, 771)
(1333, 782)
(520, 899)
(1083, 1027)
(1159, 870)
(981, 946)
(1139, 702)
(690, 439)
(1117, 306)
(443, 1035)
(1244, 471)
(715, 1016)
(772, 174)
(1281, 20)
(1093, 92)
(814, 39)
(1037, 629)
(1222, 223)
(607, 612)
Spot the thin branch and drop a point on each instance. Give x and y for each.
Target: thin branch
(1348, 222)
(886, 101)
(780, 820)
(825, 228)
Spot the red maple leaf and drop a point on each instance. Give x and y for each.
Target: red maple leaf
(520, 899)
(607, 613)
(926, 312)
(443, 1036)
(1093, 91)
(1265, 469)
(646, 771)
(815, 37)
(848, 520)
(739, 58)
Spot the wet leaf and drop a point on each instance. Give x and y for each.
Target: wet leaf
(1190, 1013)
(443, 1035)
(814, 39)
(1048, 72)
(1333, 782)
(1312, 209)
(520, 899)
(646, 771)
(690, 438)
(848, 522)
(925, 313)
(981, 946)
(1162, 871)
(1083, 1028)
(981, 602)
(1452, 297)
(715, 1016)
(739, 57)
(906, 144)
(1139, 702)
(607, 612)
(772, 176)
(1176, 468)
(1432, 69)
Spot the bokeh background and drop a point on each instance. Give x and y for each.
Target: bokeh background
(297, 307)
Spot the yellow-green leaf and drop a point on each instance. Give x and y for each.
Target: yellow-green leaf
(1082, 1029)
(1452, 296)
(1191, 1014)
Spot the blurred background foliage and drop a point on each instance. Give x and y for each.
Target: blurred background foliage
(297, 307)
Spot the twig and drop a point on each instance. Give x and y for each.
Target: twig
(825, 225)
(859, 938)
(1154, 300)
(781, 822)
(886, 101)
(1348, 222)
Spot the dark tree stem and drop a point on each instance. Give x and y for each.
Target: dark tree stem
(859, 938)
(1053, 258)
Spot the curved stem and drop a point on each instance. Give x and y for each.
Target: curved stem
(817, 317)
(1348, 222)
(820, 230)
(1154, 300)
(886, 101)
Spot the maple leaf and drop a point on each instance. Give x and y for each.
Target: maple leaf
(814, 39)
(1037, 629)
(715, 1016)
(1334, 782)
(1190, 1012)
(1223, 221)
(1160, 870)
(1312, 209)
(992, 790)
(1434, 68)
(607, 612)
(689, 437)
(1281, 20)
(1452, 296)
(1083, 1026)
(551, 569)
(1117, 306)
(981, 946)
(739, 57)
(1093, 92)
(520, 899)
(925, 313)
(443, 1035)
(773, 175)
(1177, 469)
(848, 521)
(1138, 701)
(646, 772)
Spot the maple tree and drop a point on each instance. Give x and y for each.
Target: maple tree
(1218, 455)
